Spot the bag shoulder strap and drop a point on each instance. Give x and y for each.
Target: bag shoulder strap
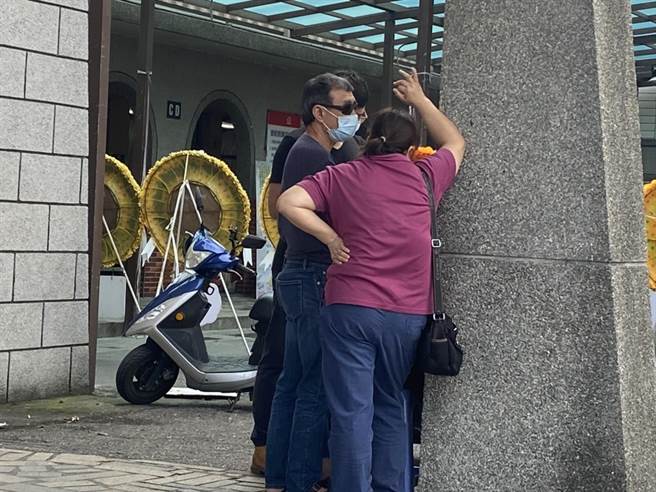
(438, 307)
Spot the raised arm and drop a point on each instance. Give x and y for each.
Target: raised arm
(441, 129)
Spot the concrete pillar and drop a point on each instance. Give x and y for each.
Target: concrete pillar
(44, 320)
(545, 255)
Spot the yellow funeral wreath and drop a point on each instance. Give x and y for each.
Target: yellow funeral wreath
(160, 190)
(269, 224)
(649, 196)
(126, 229)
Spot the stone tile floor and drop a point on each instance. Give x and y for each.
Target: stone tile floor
(26, 471)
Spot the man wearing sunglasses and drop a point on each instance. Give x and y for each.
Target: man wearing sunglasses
(299, 415)
(341, 151)
(271, 363)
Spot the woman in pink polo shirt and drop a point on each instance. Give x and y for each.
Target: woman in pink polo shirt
(378, 291)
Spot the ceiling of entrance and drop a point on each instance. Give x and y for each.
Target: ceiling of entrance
(359, 25)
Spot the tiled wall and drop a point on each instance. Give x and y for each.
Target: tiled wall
(44, 146)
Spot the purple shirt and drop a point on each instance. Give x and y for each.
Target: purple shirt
(379, 207)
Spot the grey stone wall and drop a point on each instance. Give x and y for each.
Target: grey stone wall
(43, 198)
(544, 268)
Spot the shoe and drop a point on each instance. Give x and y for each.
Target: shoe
(258, 461)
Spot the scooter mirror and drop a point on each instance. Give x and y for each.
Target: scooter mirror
(253, 242)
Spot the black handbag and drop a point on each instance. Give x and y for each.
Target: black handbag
(438, 351)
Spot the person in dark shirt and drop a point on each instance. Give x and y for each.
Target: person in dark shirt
(346, 151)
(270, 365)
(299, 416)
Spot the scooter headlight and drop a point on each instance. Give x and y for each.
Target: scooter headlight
(152, 314)
(194, 258)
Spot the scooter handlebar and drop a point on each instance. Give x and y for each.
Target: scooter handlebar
(243, 270)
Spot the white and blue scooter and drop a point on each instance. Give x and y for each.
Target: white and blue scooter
(172, 322)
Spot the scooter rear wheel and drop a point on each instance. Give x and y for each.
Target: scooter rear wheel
(145, 375)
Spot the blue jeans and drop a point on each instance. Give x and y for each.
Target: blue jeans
(299, 415)
(367, 356)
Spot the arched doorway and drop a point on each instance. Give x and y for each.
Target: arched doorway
(121, 141)
(221, 128)
(121, 103)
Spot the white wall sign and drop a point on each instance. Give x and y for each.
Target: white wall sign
(279, 124)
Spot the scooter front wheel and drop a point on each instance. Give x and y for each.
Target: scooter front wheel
(145, 375)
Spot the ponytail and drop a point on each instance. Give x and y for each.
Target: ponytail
(378, 146)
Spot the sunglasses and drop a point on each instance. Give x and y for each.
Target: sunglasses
(345, 109)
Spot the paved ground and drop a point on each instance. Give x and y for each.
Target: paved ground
(186, 432)
(181, 431)
(24, 471)
(189, 433)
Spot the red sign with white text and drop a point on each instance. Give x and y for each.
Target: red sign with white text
(281, 118)
(279, 124)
